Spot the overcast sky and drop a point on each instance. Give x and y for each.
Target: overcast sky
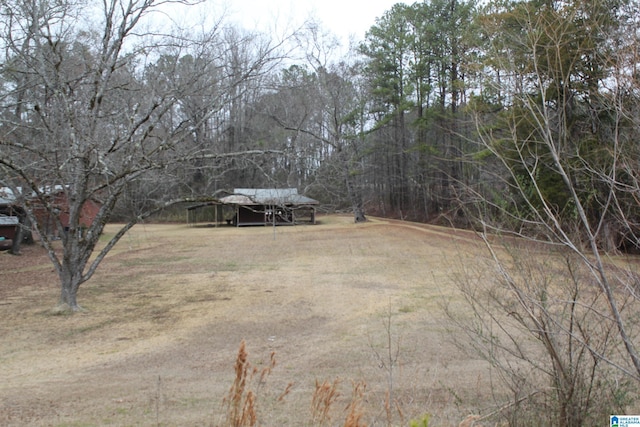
(342, 17)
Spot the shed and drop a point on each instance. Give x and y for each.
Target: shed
(58, 210)
(267, 206)
(52, 206)
(8, 230)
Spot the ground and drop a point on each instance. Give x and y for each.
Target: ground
(166, 312)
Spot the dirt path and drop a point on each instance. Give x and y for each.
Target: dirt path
(168, 309)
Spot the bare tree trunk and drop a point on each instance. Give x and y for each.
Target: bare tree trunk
(70, 281)
(17, 240)
(356, 202)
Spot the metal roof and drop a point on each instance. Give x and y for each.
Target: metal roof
(9, 220)
(267, 196)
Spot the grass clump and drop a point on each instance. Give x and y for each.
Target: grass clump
(324, 396)
(241, 402)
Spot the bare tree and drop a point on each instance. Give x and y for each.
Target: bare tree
(539, 319)
(322, 109)
(87, 111)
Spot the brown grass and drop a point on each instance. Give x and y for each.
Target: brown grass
(174, 302)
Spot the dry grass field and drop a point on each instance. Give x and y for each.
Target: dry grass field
(166, 312)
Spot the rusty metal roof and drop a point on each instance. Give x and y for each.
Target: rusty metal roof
(267, 196)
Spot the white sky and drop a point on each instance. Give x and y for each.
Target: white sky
(344, 18)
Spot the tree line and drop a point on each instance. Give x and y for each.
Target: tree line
(400, 126)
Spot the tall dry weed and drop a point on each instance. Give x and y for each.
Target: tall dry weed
(324, 396)
(241, 402)
(354, 408)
